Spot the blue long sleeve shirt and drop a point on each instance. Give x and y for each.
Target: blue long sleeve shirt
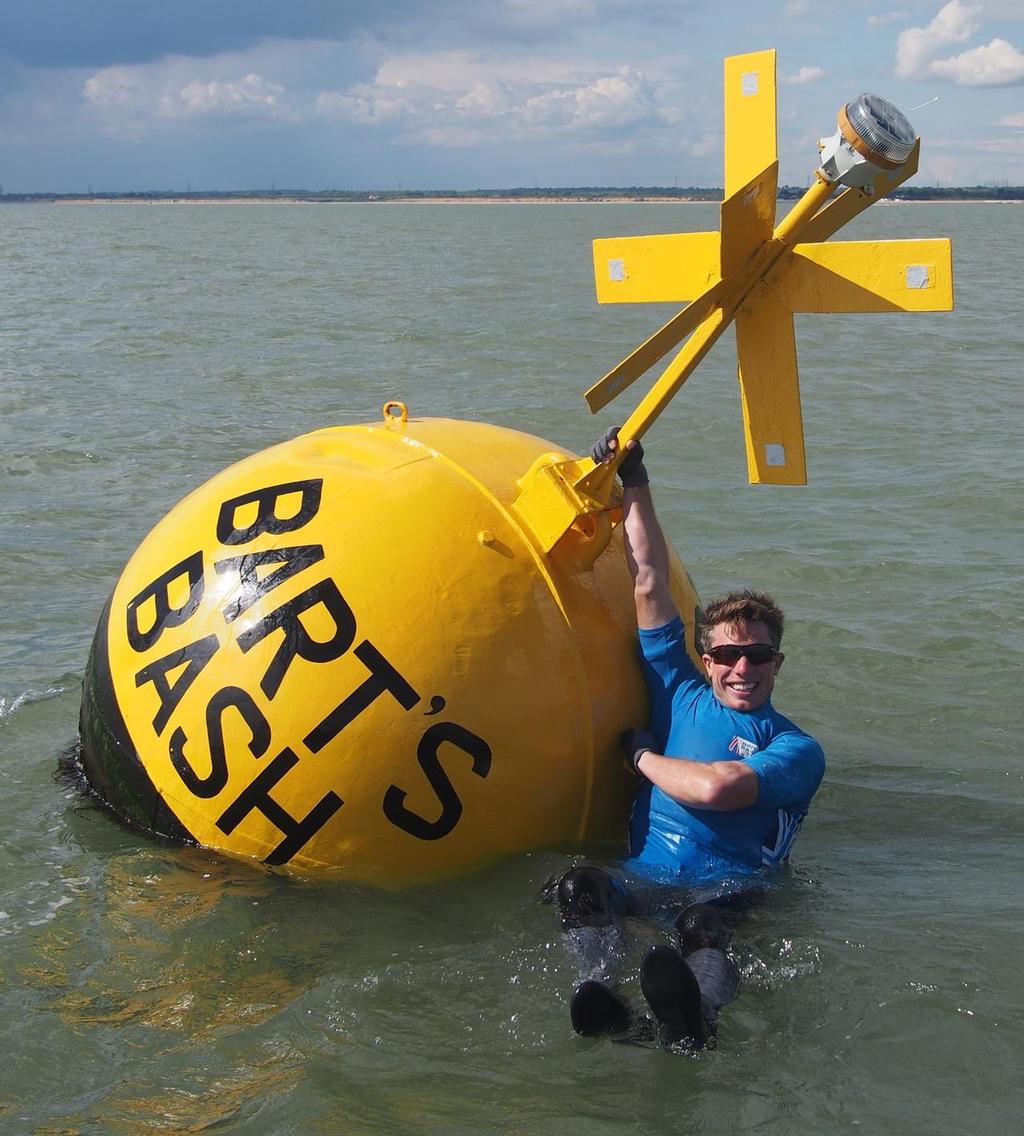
(677, 842)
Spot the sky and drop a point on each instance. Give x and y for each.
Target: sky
(129, 95)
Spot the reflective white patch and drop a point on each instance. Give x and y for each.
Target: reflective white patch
(616, 270)
(749, 83)
(918, 276)
(774, 454)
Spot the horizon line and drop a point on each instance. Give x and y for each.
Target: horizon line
(708, 192)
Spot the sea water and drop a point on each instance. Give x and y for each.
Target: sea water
(153, 989)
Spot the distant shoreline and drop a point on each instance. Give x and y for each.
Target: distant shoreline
(390, 200)
(583, 198)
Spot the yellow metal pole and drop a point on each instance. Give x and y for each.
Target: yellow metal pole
(652, 349)
(597, 482)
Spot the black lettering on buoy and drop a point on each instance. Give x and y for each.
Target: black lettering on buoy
(214, 782)
(193, 658)
(158, 592)
(383, 677)
(297, 642)
(267, 521)
(256, 796)
(251, 587)
(451, 807)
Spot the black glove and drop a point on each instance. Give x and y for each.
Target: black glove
(635, 743)
(632, 472)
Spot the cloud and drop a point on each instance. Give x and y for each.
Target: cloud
(458, 69)
(614, 101)
(102, 33)
(445, 92)
(997, 63)
(916, 48)
(367, 105)
(250, 94)
(804, 75)
(115, 88)
(1012, 120)
(885, 18)
(457, 97)
(131, 101)
(499, 108)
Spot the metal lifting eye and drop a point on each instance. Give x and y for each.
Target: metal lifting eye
(395, 409)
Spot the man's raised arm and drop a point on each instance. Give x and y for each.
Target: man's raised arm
(646, 550)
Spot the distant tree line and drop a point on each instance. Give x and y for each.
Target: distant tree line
(568, 193)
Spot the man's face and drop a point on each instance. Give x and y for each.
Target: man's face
(742, 685)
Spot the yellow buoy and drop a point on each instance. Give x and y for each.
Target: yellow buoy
(399, 650)
(347, 653)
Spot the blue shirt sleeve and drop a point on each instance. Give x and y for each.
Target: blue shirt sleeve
(667, 666)
(666, 662)
(789, 769)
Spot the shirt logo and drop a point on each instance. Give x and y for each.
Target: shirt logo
(743, 746)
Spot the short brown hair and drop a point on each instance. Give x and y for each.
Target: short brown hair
(742, 606)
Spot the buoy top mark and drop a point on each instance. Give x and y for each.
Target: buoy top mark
(755, 273)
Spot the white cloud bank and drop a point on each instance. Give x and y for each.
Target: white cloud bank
(251, 93)
(997, 63)
(518, 110)
(448, 99)
(132, 99)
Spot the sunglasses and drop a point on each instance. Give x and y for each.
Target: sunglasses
(729, 654)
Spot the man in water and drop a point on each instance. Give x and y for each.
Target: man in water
(727, 781)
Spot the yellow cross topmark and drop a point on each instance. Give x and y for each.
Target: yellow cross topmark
(757, 274)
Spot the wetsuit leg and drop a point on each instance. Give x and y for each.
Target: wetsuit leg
(704, 932)
(704, 925)
(718, 978)
(590, 897)
(686, 995)
(591, 903)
